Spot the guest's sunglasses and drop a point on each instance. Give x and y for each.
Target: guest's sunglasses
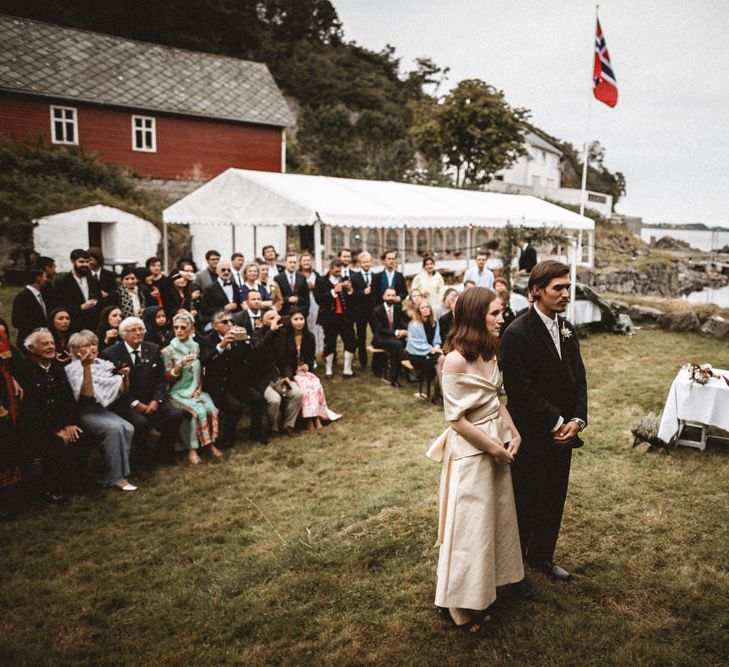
(227, 321)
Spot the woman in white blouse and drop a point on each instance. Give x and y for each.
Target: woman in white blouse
(430, 283)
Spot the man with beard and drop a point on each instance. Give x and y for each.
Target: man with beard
(390, 330)
(78, 292)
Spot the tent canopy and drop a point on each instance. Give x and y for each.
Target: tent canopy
(244, 197)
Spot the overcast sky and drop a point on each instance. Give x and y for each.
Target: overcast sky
(669, 133)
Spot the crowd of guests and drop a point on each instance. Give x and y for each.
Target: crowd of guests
(150, 366)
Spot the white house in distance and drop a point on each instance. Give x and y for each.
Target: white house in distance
(538, 173)
(123, 238)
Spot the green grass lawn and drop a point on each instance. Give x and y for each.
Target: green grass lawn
(319, 549)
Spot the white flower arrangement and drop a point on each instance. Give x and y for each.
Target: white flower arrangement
(699, 373)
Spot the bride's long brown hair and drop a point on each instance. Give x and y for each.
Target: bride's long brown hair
(469, 334)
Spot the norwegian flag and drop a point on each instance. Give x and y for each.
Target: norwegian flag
(606, 87)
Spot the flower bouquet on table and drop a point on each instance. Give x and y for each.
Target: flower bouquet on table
(700, 373)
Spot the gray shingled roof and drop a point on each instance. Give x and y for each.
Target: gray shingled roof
(53, 61)
(536, 141)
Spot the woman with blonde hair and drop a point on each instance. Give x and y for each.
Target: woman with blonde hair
(424, 342)
(478, 533)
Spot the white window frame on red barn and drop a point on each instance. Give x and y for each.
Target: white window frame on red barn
(65, 122)
(148, 129)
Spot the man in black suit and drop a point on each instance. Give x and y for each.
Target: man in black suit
(224, 356)
(527, 257)
(48, 266)
(390, 277)
(547, 397)
(293, 286)
(270, 256)
(390, 331)
(223, 294)
(78, 292)
(108, 290)
(145, 405)
(250, 317)
(364, 303)
(335, 297)
(30, 310)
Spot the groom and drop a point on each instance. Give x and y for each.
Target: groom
(545, 383)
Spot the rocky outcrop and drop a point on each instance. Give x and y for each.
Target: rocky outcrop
(644, 314)
(682, 320)
(716, 326)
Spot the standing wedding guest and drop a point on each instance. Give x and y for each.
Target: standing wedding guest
(158, 328)
(306, 267)
(132, 299)
(30, 310)
(296, 364)
(11, 441)
(208, 275)
(145, 404)
(106, 279)
(477, 528)
(479, 275)
(78, 292)
(251, 273)
(445, 321)
(545, 381)
(269, 257)
(423, 341)
(389, 331)
(527, 256)
(59, 324)
(96, 384)
(336, 299)
(364, 303)
(345, 257)
(390, 277)
(48, 266)
(222, 294)
(274, 292)
(108, 330)
(430, 283)
(293, 286)
(237, 261)
(184, 373)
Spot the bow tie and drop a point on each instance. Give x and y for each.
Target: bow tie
(226, 283)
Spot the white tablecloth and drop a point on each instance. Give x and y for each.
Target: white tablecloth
(705, 404)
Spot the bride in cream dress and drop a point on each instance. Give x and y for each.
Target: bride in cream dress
(477, 528)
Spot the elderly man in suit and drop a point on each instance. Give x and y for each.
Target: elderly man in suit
(78, 292)
(145, 405)
(30, 311)
(545, 381)
(222, 294)
(293, 286)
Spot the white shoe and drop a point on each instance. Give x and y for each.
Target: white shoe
(127, 487)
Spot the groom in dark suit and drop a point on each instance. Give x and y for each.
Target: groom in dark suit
(545, 383)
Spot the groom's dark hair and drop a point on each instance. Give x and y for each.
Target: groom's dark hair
(544, 272)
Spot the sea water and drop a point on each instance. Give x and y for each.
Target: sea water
(701, 239)
(718, 296)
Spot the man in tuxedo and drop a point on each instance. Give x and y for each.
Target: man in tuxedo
(145, 405)
(106, 279)
(335, 297)
(270, 256)
(527, 257)
(390, 277)
(251, 316)
(390, 331)
(225, 360)
(208, 275)
(78, 292)
(547, 397)
(364, 303)
(30, 310)
(222, 294)
(293, 286)
(48, 266)
(345, 257)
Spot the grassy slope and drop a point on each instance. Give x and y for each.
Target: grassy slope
(319, 550)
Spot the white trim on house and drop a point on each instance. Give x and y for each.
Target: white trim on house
(66, 120)
(144, 128)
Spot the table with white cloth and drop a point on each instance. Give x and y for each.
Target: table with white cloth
(707, 405)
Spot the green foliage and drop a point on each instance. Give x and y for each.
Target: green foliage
(474, 129)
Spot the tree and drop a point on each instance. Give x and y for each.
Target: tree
(473, 130)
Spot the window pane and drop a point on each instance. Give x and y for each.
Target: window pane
(422, 241)
(373, 242)
(69, 133)
(451, 240)
(392, 239)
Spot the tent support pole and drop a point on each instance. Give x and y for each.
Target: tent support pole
(232, 238)
(317, 246)
(573, 278)
(165, 251)
(401, 250)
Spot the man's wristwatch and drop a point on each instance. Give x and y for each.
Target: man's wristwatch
(579, 422)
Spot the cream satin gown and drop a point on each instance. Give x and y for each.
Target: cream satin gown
(477, 529)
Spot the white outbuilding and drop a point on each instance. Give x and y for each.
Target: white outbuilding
(123, 237)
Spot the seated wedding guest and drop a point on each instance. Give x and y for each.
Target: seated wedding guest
(293, 286)
(132, 299)
(108, 331)
(411, 302)
(429, 282)
(306, 266)
(501, 287)
(296, 364)
(11, 441)
(478, 533)
(78, 293)
(224, 355)
(208, 275)
(180, 294)
(449, 301)
(152, 292)
(184, 373)
(49, 424)
(158, 279)
(106, 279)
(364, 303)
(468, 284)
(274, 291)
(389, 331)
(158, 327)
(479, 275)
(445, 321)
(390, 277)
(59, 324)
(30, 310)
(424, 343)
(267, 343)
(251, 282)
(145, 404)
(223, 294)
(96, 384)
(269, 257)
(251, 316)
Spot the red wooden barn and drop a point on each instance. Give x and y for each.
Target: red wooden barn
(168, 113)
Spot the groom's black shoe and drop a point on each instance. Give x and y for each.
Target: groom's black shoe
(551, 570)
(521, 590)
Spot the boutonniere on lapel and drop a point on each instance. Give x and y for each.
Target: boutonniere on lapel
(565, 331)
